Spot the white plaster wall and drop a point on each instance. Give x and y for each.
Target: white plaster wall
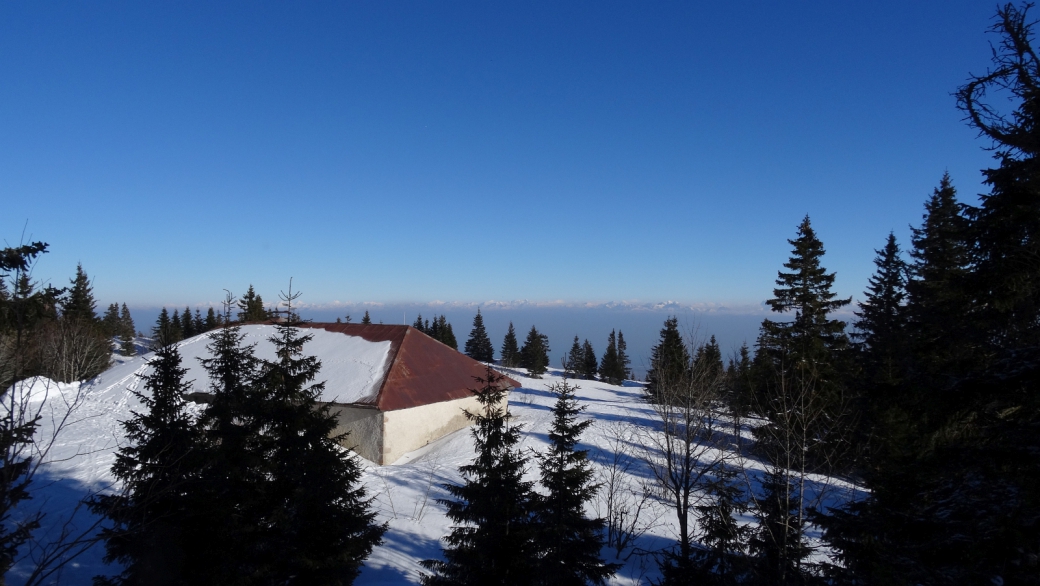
(405, 430)
(365, 426)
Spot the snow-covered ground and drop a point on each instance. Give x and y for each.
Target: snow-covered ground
(405, 493)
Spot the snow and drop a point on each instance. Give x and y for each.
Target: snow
(405, 493)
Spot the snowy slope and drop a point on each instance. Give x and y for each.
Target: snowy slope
(405, 492)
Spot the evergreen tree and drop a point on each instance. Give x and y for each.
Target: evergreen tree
(534, 354)
(608, 366)
(510, 348)
(574, 364)
(570, 541)
(127, 333)
(176, 331)
(493, 541)
(198, 324)
(739, 378)
(80, 304)
(187, 324)
(446, 334)
(18, 306)
(235, 483)
(722, 561)
(252, 307)
(589, 362)
(804, 360)
(366, 320)
(156, 517)
(881, 327)
(110, 323)
(419, 324)
(778, 544)
(478, 346)
(623, 360)
(163, 329)
(320, 526)
(708, 358)
(211, 322)
(669, 359)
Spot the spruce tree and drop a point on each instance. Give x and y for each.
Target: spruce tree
(127, 333)
(722, 562)
(252, 307)
(669, 359)
(534, 354)
(320, 525)
(176, 331)
(569, 540)
(80, 304)
(110, 323)
(163, 329)
(708, 358)
(198, 324)
(366, 320)
(510, 348)
(574, 364)
(235, 484)
(418, 324)
(590, 365)
(187, 324)
(608, 366)
(939, 309)
(778, 543)
(445, 333)
(881, 328)
(478, 346)
(211, 320)
(493, 540)
(156, 518)
(623, 360)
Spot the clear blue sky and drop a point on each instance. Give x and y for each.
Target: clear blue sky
(408, 152)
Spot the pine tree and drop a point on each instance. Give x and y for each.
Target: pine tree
(740, 398)
(939, 309)
(570, 541)
(478, 346)
(669, 359)
(235, 483)
(127, 333)
(708, 358)
(80, 304)
(778, 545)
(589, 363)
(510, 348)
(176, 331)
(163, 329)
(320, 526)
(419, 324)
(534, 354)
(252, 307)
(366, 320)
(156, 517)
(198, 324)
(725, 541)
(574, 364)
(881, 327)
(493, 541)
(211, 320)
(608, 366)
(187, 324)
(110, 323)
(447, 336)
(623, 360)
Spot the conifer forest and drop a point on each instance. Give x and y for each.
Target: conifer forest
(900, 446)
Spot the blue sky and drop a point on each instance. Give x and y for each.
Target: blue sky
(408, 152)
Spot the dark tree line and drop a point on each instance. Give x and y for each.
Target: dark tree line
(439, 329)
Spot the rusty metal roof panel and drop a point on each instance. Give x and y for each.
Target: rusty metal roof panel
(420, 370)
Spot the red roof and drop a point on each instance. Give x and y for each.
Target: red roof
(420, 370)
